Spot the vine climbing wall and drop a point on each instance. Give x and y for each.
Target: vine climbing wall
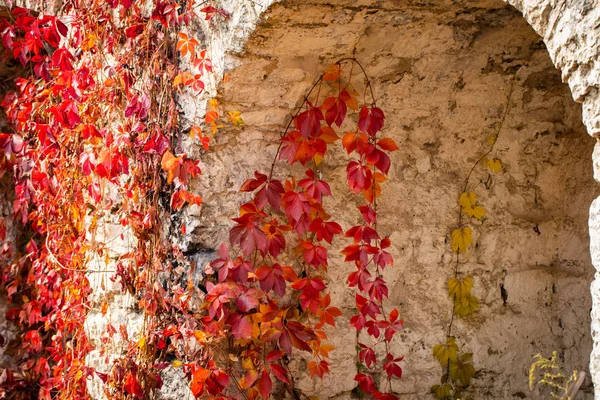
(486, 203)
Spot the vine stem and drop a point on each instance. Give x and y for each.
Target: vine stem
(465, 187)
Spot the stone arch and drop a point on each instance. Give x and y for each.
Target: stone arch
(273, 74)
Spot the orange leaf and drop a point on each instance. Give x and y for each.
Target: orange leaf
(248, 379)
(195, 131)
(332, 73)
(171, 164)
(328, 135)
(185, 44)
(198, 379)
(211, 117)
(388, 144)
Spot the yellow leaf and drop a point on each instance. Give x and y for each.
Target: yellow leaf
(494, 165)
(195, 131)
(352, 103)
(332, 73)
(460, 288)
(176, 364)
(200, 336)
(233, 357)
(89, 42)
(247, 363)
(462, 239)
(235, 118)
(213, 103)
(478, 212)
(142, 342)
(468, 199)
(491, 139)
(328, 135)
(445, 352)
(466, 305)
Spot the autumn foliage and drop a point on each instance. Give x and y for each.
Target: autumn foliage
(93, 140)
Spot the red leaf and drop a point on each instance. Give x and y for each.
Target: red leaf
(246, 303)
(134, 30)
(295, 204)
(248, 235)
(62, 59)
(279, 372)
(370, 216)
(366, 383)
(252, 184)
(335, 111)
(309, 122)
(240, 327)
(132, 386)
(265, 385)
(359, 176)
(275, 355)
(370, 120)
(318, 369)
(210, 12)
(391, 368)
(367, 355)
(325, 231)
(271, 278)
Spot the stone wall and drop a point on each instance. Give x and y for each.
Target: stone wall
(572, 35)
(442, 72)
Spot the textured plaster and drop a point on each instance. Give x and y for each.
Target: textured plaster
(441, 70)
(571, 31)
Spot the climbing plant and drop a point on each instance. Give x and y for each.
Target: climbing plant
(458, 368)
(96, 137)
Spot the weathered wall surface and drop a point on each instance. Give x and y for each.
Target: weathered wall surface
(441, 71)
(571, 32)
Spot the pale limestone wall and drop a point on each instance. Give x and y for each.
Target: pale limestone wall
(441, 70)
(571, 32)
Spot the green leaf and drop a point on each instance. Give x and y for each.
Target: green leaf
(462, 369)
(441, 391)
(445, 352)
(466, 306)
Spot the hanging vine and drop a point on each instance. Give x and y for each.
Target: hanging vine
(458, 368)
(96, 136)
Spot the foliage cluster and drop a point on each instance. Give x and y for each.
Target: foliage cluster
(96, 135)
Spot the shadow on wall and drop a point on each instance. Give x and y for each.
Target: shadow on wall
(441, 74)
